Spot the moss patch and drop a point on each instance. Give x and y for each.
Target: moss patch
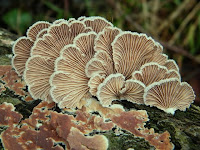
(14, 101)
(125, 141)
(4, 60)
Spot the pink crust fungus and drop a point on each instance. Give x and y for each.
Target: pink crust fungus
(78, 141)
(47, 129)
(132, 121)
(10, 80)
(8, 116)
(169, 95)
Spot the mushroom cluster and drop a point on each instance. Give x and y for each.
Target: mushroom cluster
(68, 61)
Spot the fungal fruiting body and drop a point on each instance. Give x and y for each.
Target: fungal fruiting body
(68, 61)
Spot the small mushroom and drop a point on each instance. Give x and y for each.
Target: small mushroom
(171, 65)
(110, 89)
(105, 38)
(156, 57)
(33, 30)
(169, 95)
(114, 87)
(22, 47)
(153, 72)
(130, 50)
(133, 91)
(58, 36)
(42, 33)
(96, 23)
(101, 63)
(37, 74)
(94, 82)
(21, 50)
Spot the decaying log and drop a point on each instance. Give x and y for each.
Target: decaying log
(184, 127)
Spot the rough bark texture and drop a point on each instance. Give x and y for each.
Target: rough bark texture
(184, 127)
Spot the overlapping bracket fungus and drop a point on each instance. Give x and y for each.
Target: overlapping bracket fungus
(69, 61)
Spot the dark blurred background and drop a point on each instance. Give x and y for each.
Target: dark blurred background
(174, 23)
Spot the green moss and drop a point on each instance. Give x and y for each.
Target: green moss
(4, 60)
(125, 141)
(14, 101)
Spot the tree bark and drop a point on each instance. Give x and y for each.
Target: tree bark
(184, 127)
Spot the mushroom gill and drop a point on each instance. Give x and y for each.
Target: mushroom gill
(48, 48)
(153, 72)
(69, 81)
(22, 46)
(169, 95)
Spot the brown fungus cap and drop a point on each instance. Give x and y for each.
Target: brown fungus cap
(110, 89)
(169, 95)
(42, 33)
(37, 74)
(114, 87)
(94, 82)
(130, 49)
(69, 82)
(33, 30)
(153, 72)
(96, 23)
(21, 50)
(133, 91)
(22, 47)
(40, 65)
(58, 36)
(171, 65)
(105, 38)
(101, 64)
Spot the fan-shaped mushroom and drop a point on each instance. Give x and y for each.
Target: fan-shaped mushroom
(96, 23)
(129, 51)
(114, 87)
(48, 48)
(70, 70)
(22, 47)
(169, 95)
(153, 72)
